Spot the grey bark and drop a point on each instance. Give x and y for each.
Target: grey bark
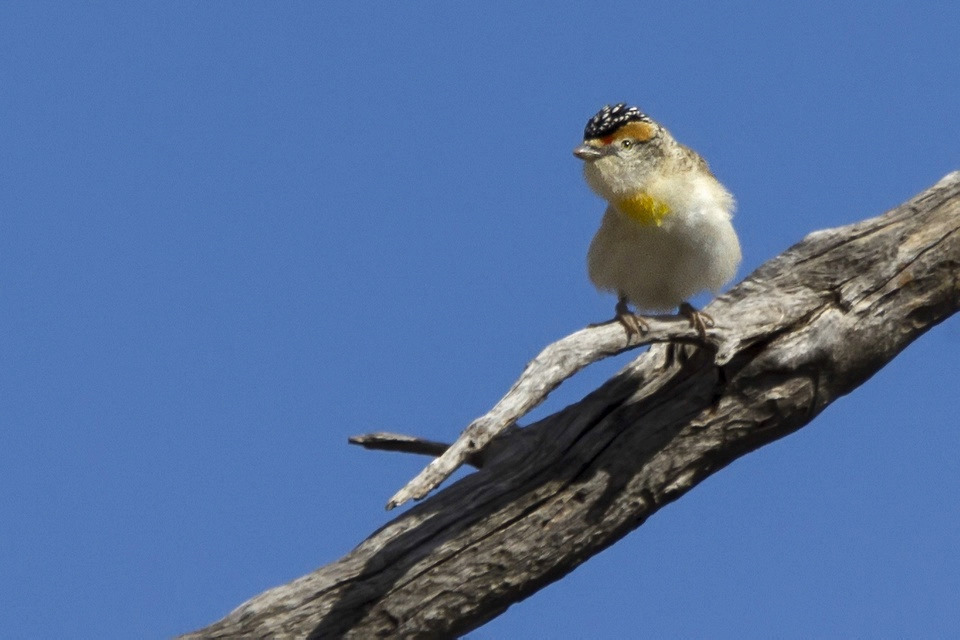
(804, 329)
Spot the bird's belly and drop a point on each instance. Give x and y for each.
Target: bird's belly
(657, 268)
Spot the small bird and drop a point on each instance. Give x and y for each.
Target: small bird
(666, 234)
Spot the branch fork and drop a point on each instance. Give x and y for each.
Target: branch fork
(556, 363)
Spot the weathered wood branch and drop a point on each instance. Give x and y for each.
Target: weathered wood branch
(543, 374)
(384, 441)
(804, 329)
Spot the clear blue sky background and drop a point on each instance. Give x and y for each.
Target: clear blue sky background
(233, 234)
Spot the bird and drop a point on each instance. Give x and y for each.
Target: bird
(666, 234)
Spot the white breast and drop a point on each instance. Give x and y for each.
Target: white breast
(657, 268)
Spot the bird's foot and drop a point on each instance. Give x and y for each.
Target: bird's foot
(632, 323)
(699, 320)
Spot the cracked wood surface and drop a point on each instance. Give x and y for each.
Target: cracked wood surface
(804, 329)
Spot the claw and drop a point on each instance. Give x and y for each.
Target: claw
(632, 323)
(699, 320)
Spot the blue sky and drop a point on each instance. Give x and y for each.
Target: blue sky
(233, 234)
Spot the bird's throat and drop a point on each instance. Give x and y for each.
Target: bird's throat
(643, 209)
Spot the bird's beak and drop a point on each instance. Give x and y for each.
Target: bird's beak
(587, 152)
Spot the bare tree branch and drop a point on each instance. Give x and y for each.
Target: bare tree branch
(383, 441)
(542, 375)
(804, 329)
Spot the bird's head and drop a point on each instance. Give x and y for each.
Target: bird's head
(622, 148)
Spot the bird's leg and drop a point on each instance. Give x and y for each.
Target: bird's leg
(699, 320)
(634, 324)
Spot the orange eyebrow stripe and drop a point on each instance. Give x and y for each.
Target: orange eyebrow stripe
(641, 131)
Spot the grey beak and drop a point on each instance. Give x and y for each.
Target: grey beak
(587, 152)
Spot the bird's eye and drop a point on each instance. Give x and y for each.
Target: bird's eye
(626, 144)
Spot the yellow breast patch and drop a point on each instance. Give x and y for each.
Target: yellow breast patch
(644, 209)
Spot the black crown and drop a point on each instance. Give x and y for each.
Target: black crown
(609, 119)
